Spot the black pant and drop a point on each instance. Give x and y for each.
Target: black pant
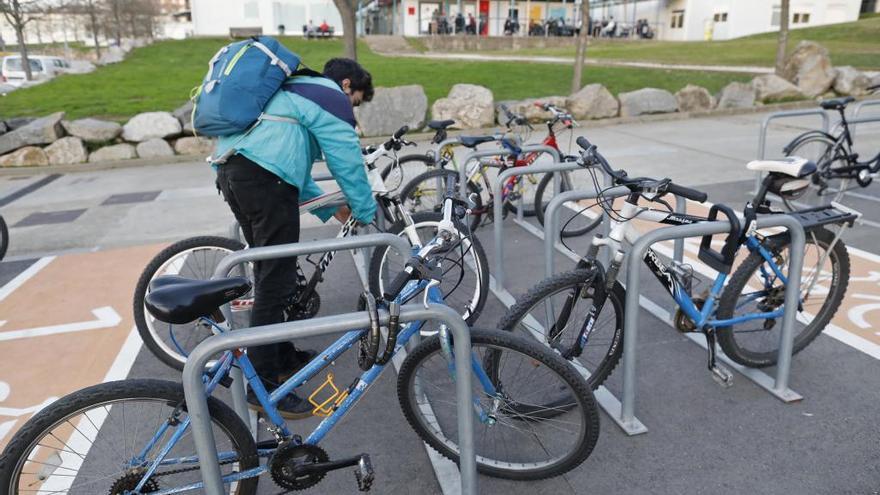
(267, 208)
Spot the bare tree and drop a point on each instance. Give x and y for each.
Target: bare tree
(581, 46)
(94, 10)
(783, 38)
(19, 13)
(349, 26)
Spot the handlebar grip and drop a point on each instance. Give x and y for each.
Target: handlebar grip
(400, 132)
(686, 192)
(397, 285)
(583, 143)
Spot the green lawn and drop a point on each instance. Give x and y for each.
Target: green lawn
(160, 77)
(856, 43)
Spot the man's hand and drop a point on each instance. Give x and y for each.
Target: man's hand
(342, 214)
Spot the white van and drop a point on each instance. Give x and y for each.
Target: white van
(12, 72)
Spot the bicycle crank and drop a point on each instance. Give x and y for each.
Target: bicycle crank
(297, 467)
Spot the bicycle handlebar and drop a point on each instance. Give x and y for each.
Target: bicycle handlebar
(686, 192)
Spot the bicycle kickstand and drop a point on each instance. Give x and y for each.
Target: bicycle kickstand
(720, 374)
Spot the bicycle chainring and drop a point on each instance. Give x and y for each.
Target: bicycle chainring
(284, 461)
(128, 482)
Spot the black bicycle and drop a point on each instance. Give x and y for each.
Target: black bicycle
(837, 165)
(4, 237)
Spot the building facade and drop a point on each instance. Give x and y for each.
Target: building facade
(218, 17)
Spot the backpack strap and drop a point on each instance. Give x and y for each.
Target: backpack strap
(275, 60)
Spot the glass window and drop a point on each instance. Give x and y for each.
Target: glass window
(14, 64)
(677, 19)
(717, 18)
(724, 17)
(796, 19)
(776, 16)
(805, 18)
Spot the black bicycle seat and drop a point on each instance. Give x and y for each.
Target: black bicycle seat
(472, 141)
(440, 124)
(178, 300)
(836, 103)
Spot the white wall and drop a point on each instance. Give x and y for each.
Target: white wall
(215, 17)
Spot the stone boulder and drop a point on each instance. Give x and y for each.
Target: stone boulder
(44, 130)
(529, 109)
(150, 125)
(851, 81)
(93, 130)
(3, 127)
(646, 101)
(29, 156)
(770, 87)
(112, 55)
(471, 106)
(184, 115)
(67, 151)
(154, 148)
(392, 108)
(692, 98)
(737, 95)
(17, 122)
(194, 146)
(592, 101)
(809, 67)
(113, 153)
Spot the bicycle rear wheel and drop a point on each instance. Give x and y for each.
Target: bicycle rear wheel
(87, 442)
(526, 441)
(822, 189)
(4, 237)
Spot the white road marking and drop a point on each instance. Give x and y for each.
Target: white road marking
(105, 317)
(24, 276)
(125, 359)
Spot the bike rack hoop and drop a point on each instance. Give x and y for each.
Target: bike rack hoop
(197, 402)
(765, 124)
(631, 321)
(532, 148)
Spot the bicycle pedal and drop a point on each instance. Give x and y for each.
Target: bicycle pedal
(722, 376)
(364, 473)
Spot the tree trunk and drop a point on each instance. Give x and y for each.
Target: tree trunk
(93, 19)
(22, 48)
(349, 27)
(783, 38)
(117, 22)
(581, 46)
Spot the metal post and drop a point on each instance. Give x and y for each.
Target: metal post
(498, 272)
(631, 320)
(762, 136)
(197, 403)
(474, 155)
(678, 244)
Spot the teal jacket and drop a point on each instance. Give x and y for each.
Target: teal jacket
(326, 126)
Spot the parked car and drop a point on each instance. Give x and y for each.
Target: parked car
(12, 71)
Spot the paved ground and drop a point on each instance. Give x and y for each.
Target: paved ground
(79, 242)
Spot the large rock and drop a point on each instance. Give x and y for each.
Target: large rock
(154, 148)
(29, 156)
(692, 98)
(646, 101)
(112, 55)
(150, 125)
(67, 151)
(530, 109)
(392, 108)
(850, 81)
(592, 101)
(194, 146)
(737, 95)
(809, 67)
(93, 130)
(184, 115)
(770, 87)
(471, 106)
(3, 127)
(45, 130)
(113, 153)
(17, 122)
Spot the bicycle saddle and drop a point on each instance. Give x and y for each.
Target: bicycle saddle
(440, 124)
(836, 103)
(178, 300)
(472, 141)
(794, 166)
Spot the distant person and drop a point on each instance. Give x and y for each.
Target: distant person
(459, 22)
(310, 28)
(324, 27)
(281, 30)
(472, 24)
(608, 30)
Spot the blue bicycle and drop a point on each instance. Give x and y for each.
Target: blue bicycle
(132, 436)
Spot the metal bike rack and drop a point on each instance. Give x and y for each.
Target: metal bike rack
(474, 155)
(856, 110)
(239, 392)
(197, 402)
(762, 136)
(779, 386)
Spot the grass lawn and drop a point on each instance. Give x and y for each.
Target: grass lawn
(160, 77)
(855, 43)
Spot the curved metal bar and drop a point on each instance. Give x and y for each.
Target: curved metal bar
(631, 320)
(197, 403)
(762, 136)
(532, 148)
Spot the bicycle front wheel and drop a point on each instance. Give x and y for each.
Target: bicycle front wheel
(195, 258)
(754, 288)
(520, 439)
(424, 193)
(572, 223)
(96, 440)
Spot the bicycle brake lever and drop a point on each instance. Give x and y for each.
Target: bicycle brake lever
(432, 283)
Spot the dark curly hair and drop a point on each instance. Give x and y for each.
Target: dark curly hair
(338, 69)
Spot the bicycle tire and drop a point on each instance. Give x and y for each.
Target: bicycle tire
(26, 440)
(393, 184)
(471, 311)
(737, 350)
(502, 343)
(413, 190)
(810, 198)
(162, 350)
(4, 237)
(573, 280)
(541, 207)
